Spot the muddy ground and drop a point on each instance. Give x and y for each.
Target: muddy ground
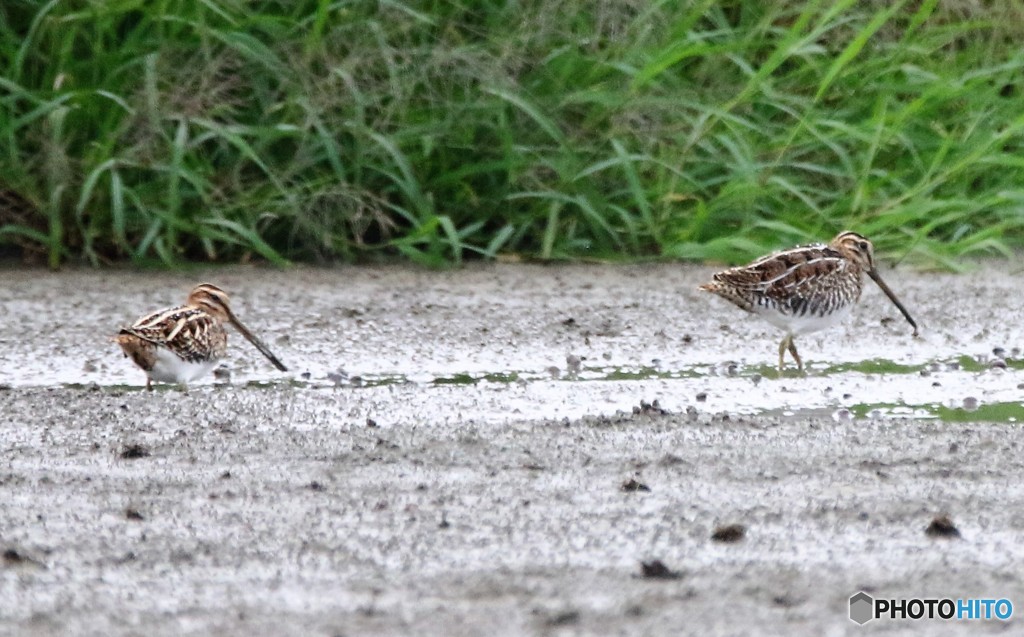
(447, 455)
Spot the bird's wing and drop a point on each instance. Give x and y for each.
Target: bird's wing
(190, 333)
(789, 274)
(788, 277)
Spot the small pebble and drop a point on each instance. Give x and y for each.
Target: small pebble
(573, 363)
(842, 415)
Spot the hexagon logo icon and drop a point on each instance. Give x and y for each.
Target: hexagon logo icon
(861, 605)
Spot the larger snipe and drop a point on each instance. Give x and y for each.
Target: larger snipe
(804, 289)
(180, 344)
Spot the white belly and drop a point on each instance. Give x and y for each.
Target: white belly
(171, 369)
(797, 325)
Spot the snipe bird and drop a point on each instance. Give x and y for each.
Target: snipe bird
(181, 344)
(804, 289)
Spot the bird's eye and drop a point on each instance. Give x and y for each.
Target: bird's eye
(863, 245)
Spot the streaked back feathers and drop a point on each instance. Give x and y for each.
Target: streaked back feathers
(190, 331)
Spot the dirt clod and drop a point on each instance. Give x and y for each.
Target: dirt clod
(942, 527)
(12, 556)
(656, 569)
(729, 533)
(134, 451)
(632, 486)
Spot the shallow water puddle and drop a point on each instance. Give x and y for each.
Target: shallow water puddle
(951, 390)
(756, 372)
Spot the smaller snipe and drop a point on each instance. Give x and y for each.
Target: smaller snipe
(804, 289)
(181, 344)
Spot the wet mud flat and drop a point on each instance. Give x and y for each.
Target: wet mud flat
(478, 452)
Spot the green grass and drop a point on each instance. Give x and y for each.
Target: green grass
(444, 130)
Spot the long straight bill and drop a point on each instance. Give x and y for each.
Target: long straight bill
(892, 297)
(249, 336)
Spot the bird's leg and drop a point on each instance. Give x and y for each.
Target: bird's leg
(796, 357)
(149, 384)
(786, 340)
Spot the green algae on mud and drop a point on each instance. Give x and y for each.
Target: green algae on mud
(872, 366)
(470, 379)
(996, 412)
(875, 366)
(1001, 412)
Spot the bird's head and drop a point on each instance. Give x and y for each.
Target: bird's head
(856, 248)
